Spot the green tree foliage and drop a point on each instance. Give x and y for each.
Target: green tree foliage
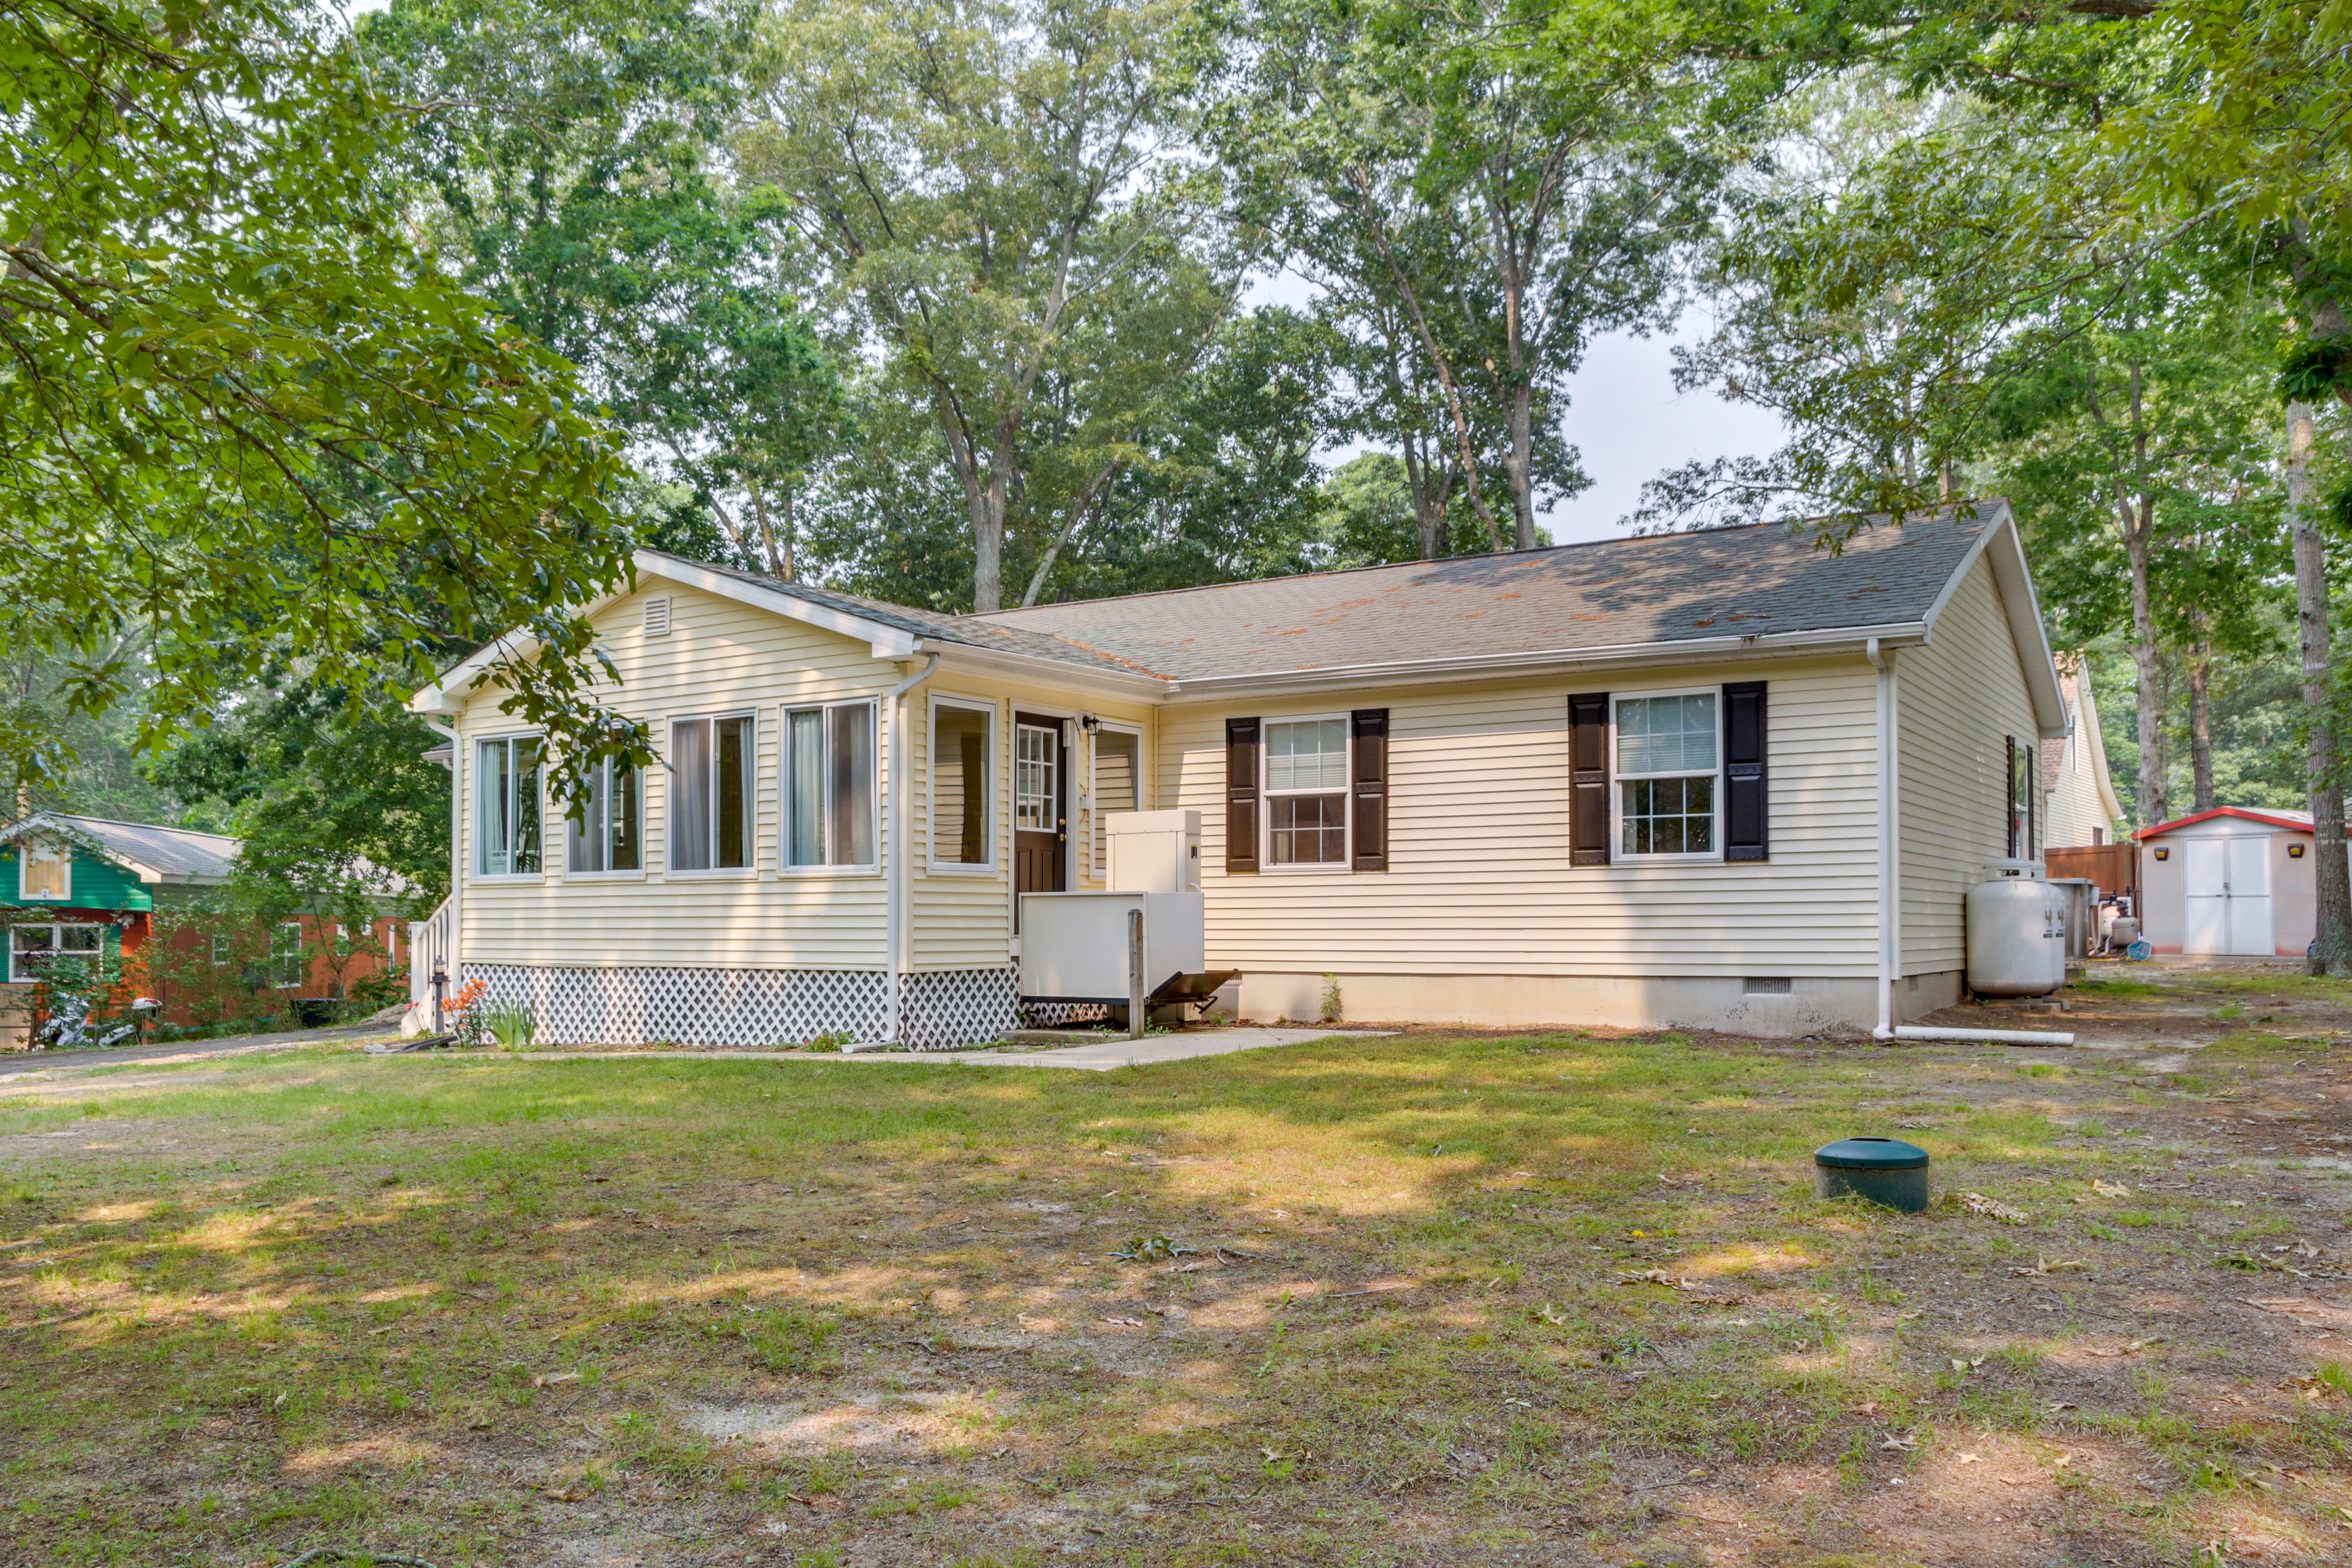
(237, 413)
(996, 189)
(570, 152)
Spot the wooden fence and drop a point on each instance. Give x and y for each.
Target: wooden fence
(2114, 866)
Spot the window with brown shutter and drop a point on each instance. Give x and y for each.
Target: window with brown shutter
(1368, 732)
(1588, 793)
(1745, 789)
(1242, 743)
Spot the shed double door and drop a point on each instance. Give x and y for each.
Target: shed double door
(1041, 816)
(2227, 887)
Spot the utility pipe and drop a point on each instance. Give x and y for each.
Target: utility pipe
(1890, 869)
(456, 853)
(895, 889)
(1996, 1036)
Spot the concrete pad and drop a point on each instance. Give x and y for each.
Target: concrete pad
(1101, 1056)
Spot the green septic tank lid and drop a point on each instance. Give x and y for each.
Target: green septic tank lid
(1870, 1154)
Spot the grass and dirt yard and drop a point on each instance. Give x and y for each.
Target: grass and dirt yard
(1429, 1298)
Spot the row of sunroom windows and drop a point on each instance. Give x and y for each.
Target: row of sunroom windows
(827, 795)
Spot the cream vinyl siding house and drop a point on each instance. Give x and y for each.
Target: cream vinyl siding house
(2084, 811)
(1719, 779)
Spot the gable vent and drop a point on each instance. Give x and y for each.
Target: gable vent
(658, 617)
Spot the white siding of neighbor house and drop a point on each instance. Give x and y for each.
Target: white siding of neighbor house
(1479, 880)
(1958, 700)
(2076, 803)
(963, 919)
(720, 656)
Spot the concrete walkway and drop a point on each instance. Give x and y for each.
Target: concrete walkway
(1103, 1057)
(18, 1064)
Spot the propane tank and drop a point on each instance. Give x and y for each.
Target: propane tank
(2017, 933)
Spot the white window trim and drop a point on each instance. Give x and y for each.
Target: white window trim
(784, 864)
(997, 788)
(53, 927)
(302, 969)
(1618, 780)
(569, 875)
(1267, 795)
(750, 800)
(24, 859)
(1091, 804)
(473, 861)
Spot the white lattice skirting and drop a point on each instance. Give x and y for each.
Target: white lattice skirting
(647, 1005)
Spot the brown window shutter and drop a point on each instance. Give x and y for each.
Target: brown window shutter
(1241, 744)
(1368, 729)
(1588, 779)
(1745, 789)
(2009, 818)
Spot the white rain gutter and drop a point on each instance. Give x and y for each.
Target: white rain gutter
(1890, 871)
(456, 845)
(895, 890)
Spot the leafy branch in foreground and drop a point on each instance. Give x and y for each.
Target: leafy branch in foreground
(237, 413)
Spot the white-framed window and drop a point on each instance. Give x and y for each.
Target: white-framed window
(1117, 785)
(607, 835)
(963, 761)
(507, 773)
(44, 871)
(220, 951)
(1036, 778)
(1307, 792)
(1668, 768)
(286, 955)
(710, 792)
(828, 778)
(32, 947)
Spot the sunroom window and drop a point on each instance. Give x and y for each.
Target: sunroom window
(1667, 755)
(605, 836)
(1307, 792)
(711, 814)
(506, 785)
(31, 948)
(829, 784)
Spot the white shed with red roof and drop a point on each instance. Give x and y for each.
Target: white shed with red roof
(2231, 882)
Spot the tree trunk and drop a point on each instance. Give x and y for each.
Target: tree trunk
(767, 533)
(792, 540)
(2201, 723)
(2331, 951)
(2147, 662)
(1522, 463)
(988, 505)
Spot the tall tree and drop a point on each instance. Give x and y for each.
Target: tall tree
(996, 187)
(571, 158)
(236, 412)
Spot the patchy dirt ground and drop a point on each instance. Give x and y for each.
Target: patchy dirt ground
(1439, 1299)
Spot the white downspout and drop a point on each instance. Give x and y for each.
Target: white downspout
(895, 871)
(456, 848)
(1890, 866)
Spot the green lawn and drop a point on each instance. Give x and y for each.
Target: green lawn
(1382, 1301)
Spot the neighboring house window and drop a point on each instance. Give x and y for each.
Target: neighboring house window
(1307, 792)
(286, 955)
(1667, 748)
(506, 785)
(960, 769)
(220, 952)
(829, 786)
(45, 871)
(30, 948)
(710, 794)
(2098, 836)
(1117, 785)
(606, 834)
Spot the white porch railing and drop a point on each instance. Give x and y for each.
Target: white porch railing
(430, 942)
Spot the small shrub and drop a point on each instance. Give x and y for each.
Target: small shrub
(832, 1040)
(512, 1028)
(1331, 1006)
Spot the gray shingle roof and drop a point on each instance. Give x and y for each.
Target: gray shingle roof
(1616, 593)
(176, 853)
(968, 630)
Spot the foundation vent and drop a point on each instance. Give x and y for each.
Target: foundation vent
(1753, 986)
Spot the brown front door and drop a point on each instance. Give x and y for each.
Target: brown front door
(1041, 788)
